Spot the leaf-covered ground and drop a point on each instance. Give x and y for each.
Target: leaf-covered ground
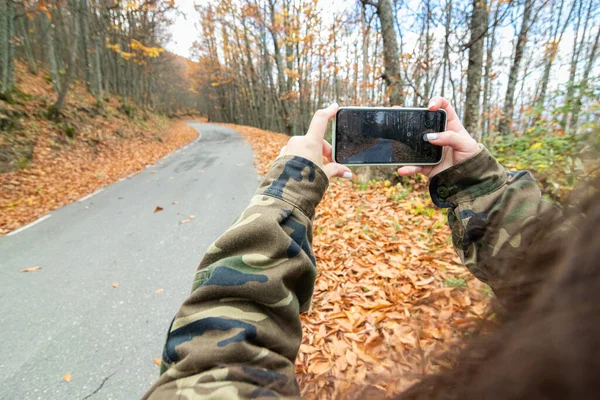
(62, 161)
(391, 296)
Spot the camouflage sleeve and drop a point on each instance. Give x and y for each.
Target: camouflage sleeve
(492, 214)
(238, 333)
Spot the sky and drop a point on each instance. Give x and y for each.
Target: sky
(184, 32)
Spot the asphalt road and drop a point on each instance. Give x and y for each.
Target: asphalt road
(67, 318)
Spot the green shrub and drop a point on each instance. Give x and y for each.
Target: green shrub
(559, 160)
(128, 109)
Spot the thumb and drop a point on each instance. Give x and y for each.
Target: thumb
(337, 170)
(458, 141)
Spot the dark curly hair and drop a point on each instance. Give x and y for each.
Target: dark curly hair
(548, 345)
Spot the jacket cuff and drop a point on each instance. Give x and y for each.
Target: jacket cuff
(479, 175)
(297, 181)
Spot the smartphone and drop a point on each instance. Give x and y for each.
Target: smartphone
(386, 136)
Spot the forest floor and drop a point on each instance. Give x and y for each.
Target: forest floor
(46, 164)
(391, 299)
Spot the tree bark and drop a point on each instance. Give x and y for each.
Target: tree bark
(31, 64)
(4, 42)
(591, 58)
(446, 55)
(487, 79)
(577, 46)
(366, 28)
(506, 121)
(56, 109)
(280, 73)
(51, 53)
(551, 51)
(478, 27)
(8, 48)
(391, 56)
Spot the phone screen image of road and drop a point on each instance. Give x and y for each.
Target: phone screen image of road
(387, 136)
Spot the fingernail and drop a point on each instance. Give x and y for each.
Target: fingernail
(430, 136)
(432, 103)
(347, 175)
(334, 104)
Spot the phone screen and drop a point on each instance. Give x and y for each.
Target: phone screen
(387, 136)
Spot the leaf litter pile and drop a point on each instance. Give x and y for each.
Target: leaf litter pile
(391, 297)
(97, 149)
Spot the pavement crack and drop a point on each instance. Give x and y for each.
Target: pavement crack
(99, 387)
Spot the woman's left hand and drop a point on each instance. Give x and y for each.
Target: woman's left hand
(314, 147)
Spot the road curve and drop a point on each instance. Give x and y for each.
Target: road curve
(67, 318)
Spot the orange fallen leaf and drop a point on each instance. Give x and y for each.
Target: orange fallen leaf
(185, 221)
(157, 361)
(36, 268)
(157, 209)
(115, 284)
(67, 377)
(191, 217)
(159, 290)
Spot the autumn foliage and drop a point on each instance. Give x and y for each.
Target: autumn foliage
(79, 155)
(391, 296)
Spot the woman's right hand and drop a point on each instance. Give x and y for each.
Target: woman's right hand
(459, 145)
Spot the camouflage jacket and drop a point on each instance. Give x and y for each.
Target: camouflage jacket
(238, 333)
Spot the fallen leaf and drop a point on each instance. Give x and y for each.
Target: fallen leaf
(159, 290)
(171, 177)
(115, 284)
(191, 217)
(175, 202)
(157, 361)
(36, 268)
(185, 221)
(157, 209)
(67, 377)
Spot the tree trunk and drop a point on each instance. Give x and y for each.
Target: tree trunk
(551, 51)
(52, 53)
(97, 72)
(366, 28)
(31, 64)
(506, 121)
(478, 27)
(4, 42)
(428, 65)
(88, 69)
(487, 79)
(391, 57)
(280, 73)
(591, 58)
(56, 109)
(7, 32)
(577, 46)
(446, 55)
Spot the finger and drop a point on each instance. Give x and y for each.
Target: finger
(337, 170)
(440, 102)
(458, 141)
(409, 170)
(327, 151)
(282, 151)
(318, 125)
